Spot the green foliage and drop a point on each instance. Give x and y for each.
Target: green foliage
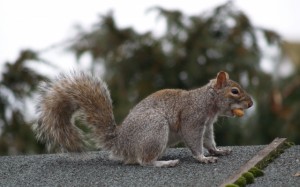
(18, 138)
(18, 83)
(231, 185)
(242, 182)
(256, 172)
(21, 80)
(249, 177)
(187, 55)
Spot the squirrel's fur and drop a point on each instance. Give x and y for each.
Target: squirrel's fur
(164, 118)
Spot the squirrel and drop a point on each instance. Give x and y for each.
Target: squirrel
(162, 119)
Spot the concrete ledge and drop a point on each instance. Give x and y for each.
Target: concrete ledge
(281, 172)
(259, 160)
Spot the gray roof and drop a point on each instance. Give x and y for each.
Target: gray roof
(95, 169)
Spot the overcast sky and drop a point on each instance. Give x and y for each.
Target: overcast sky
(38, 24)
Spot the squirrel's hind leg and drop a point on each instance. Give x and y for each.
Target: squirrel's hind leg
(153, 142)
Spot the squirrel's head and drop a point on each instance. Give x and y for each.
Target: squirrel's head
(232, 99)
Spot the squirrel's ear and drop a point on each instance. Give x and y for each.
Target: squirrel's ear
(222, 78)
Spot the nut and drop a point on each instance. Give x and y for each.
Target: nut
(238, 112)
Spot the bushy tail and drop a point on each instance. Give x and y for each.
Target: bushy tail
(59, 100)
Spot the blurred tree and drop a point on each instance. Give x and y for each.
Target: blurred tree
(189, 53)
(18, 83)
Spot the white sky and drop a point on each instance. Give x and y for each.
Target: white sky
(38, 24)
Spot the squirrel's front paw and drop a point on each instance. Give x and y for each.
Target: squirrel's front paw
(220, 152)
(206, 160)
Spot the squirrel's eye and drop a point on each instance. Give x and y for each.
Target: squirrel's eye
(234, 91)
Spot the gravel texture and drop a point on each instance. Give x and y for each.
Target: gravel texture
(282, 170)
(95, 169)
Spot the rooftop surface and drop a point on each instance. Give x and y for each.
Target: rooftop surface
(95, 169)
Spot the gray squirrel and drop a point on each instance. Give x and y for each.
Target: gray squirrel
(162, 119)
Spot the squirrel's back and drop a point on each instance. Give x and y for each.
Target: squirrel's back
(59, 100)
